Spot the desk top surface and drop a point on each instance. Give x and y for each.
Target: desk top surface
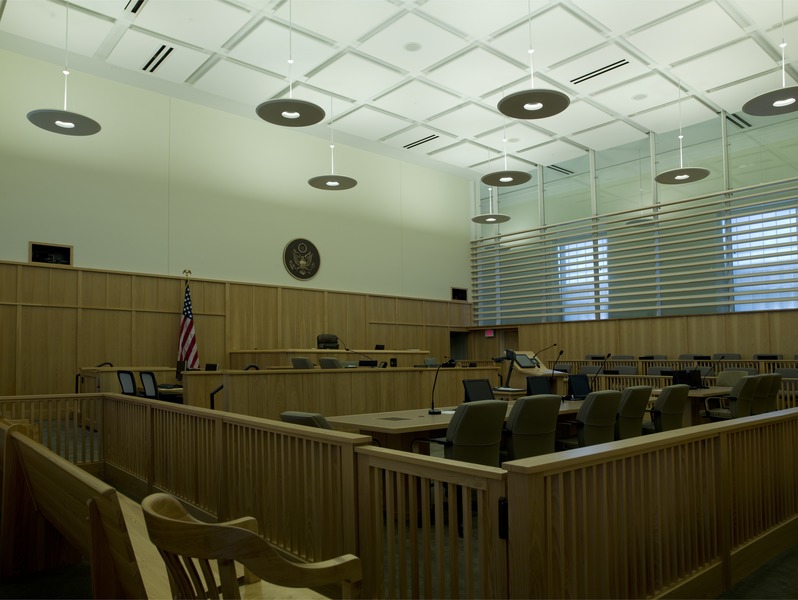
(353, 351)
(701, 392)
(418, 419)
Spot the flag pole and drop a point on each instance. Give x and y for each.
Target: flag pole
(186, 272)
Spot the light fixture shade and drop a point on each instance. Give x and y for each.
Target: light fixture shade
(491, 218)
(63, 122)
(506, 178)
(534, 104)
(682, 175)
(289, 112)
(773, 103)
(332, 182)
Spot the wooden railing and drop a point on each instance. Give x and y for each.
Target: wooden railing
(761, 366)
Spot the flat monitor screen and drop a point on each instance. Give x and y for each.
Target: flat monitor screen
(477, 389)
(691, 378)
(537, 385)
(523, 361)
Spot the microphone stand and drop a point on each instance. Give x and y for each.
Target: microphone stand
(343, 343)
(600, 369)
(556, 360)
(539, 351)
(432, 409)
(712, 368)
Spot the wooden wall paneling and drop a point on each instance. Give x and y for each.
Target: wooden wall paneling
(8, 282)
(634, 337)
(302, 317)
(485, 348)
(357, 328)
(338, 320)
(145, 293)
(388, 394)
(436, 340)
(64, 285)
(436, 313)
(535, 337)
(704, 333)
(749, 334)
(210, 332)
(155, 338)
(367, 392)
(34, 285)
(265, 328)
(668, 336)
(410, 337)
(104, 335)
(240, 317)
(46, 356)
(94, 289)
(409, 311)
(782, 328)
(383, 333)
(340, 388)
(8, 350)
(208, 297)
(598, 337)
(460, 314)
(381, 309)
(119, 289)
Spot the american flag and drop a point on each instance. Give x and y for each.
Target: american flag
(187, 342)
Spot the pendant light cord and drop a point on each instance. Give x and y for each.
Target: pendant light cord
(681, 161)
(66, 56)
(783, 45)
(290, 50)
(531, 50)
(332, 140)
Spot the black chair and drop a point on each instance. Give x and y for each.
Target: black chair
(595, 421)
(629, 422)
(327, 341)
(300, 362)
(531, 427)
(150, 385)
(305, 418)
(477, 389)
(668, 411)
(326, 362)
(128, 382)
(536, 385)
(578, 386)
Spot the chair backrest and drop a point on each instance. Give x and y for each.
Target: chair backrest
(726, 356)
(185, 543)
(326, 362)
(532, 425)
(595, 421)
(475, 432)
(742, 395)
(327, 341)
(787, 372)
(563, 367)
(431, 361)
(730, 377)
(659, 370)
(536, 385)
(622, 357)
(589, 369)
(149, 383)
(300, 362)
(128, 382)
(477, 389)
(768, 356)
(578, 386)
(626, 370)
(305, 418)
(629, 421)
(653, 357)
(668, 413)
(766, 397)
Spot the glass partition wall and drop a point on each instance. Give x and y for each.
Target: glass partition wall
(596, 237)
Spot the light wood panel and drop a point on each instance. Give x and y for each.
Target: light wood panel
(707, 330)
(382, 310)
(158, 294)
(409, 311)
(104, 336)
(8, 349)
(8, 283)
(302, 317)
(437, 313)
(46, 358)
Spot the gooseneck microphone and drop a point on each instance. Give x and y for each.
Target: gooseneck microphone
(371, 360)
(449, 363)
(543, 350)
(712, 368)
(600, 369)
(556, 360)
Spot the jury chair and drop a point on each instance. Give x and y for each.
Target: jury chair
(668, 411)
(301, 362)
(186, 543)
(767, 393)
(738, 402)
(531, 427)
(537, 385)
(305, 418)
(149, 384)
(325, 362)
(128, 382)
(629, 420)
(595, 421)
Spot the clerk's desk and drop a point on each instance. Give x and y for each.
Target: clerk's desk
(280, 357)
(398, 428)
(518, 374)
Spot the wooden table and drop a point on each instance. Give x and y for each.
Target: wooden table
(398, 428)
(692, 412)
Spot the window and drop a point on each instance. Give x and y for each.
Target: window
(583, 280)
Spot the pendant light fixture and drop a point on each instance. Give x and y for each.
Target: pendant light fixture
(64, 121)
(332, 182)
(491, 218)
(289, 112)
(533, 103)
(506, 178)
(682, 174)
(776, 102)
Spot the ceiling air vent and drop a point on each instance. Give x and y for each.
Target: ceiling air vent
(560, 170)
(157, 58)
(418, 142)
(133, 6)
(601, 71)
(738, 120)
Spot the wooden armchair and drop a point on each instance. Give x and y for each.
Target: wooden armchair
(180, 538)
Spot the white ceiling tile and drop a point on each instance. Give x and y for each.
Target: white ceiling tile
(764, 13)
(703, 28)
(578, 116)
(136, 49)
(553, 153)
(240, 83)
(639, 95)
(469, 119)
(344, 21)
(435, 140)
(462, 153)
(518, 136)
(370, 124)
(666, 118)
(626, 15)
(205, 23)
(412, 43)
(601, 62)
(338, 76)
(711, 70)
(334, 103)
(547, 39)
(480, 18)
(268, 47)
(417, 100)
(475, 71)
(608, 136)
(497, 163)
(731, 98)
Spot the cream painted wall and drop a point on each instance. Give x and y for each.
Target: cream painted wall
(168, 185)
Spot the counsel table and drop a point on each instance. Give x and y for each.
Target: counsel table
(398, 428)
(692, 412)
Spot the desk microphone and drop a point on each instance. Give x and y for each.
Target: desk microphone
(556, 360)
(371, 360)
(544, 349)
(600, 369)
(712, 368)
(449, 363)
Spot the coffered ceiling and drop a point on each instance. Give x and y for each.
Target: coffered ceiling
(420, 79)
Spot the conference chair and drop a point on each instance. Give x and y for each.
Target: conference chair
(726, 356)
(531, 427)
(595, 421)
(300, 362)
(186, 543)
(330, 363)
(787, 372)
(327, 341)
(768, 356)
(128, 382)
(477, 389)
(626, 370)
(653, 357)
(590, 369)
(537, 384)
(668, 411)
(622, 357)
(767, 393)
(305, 418)
(738, 402)
(629, 420)
(563, 367)
(659, 370)
(150, 385)
(578, 386)
(431, 361)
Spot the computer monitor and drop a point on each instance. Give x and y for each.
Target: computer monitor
(211, 366)
(379, 346)
(578, 386)
(690, 377)
(536, 384)
(477, 389)
(523, 361)
(367, 363)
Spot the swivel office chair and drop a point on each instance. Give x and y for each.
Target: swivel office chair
(629, 420)
(668, 411)
(595, 421)
(531, 426)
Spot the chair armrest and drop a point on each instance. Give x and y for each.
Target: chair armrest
(441, 441)
(714, 402)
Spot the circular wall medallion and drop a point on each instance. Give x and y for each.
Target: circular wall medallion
(301, 259)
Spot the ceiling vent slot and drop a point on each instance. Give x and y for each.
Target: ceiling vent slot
(738, 120)
(429, 138)
(157, 58)
(601, 71)
(560, 170)
(133, 6)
